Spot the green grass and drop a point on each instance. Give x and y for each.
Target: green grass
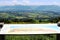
(31, 37)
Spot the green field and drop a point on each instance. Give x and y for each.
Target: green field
(33, 17)
(31, 37)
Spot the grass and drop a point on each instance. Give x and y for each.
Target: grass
(31, 37)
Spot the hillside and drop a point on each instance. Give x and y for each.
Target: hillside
(22, 13)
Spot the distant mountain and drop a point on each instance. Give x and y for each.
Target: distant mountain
(38, 8)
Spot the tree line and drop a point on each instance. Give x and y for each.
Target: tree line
(30, 20)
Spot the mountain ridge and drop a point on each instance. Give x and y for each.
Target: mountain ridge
(23, 7)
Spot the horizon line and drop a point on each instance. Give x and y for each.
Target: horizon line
(26, 5)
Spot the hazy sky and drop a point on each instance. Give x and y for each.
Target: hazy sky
(29, 2)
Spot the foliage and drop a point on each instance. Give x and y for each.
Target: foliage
(31, 37)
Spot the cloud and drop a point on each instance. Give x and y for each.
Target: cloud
(56, 3)
(14, 2)
(8, 2)
(27, 2)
